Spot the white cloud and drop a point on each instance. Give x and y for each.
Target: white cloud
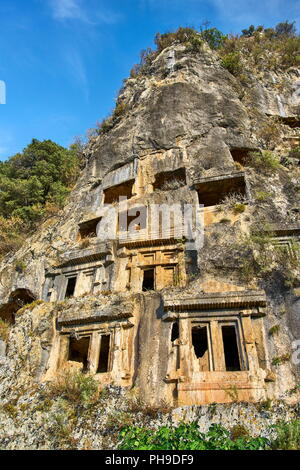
(67, 9)
(76, 10)
(246, 12)
(77, 69)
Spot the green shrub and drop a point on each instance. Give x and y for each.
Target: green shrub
(12, 234)
(232, 62)
(265, 160)
(262, 195)
(238, 431)
(186, 437)
(274, 330)
(277, 361)
(288, 436)
(75, 387)
(239, 208)
(213, 37)
(31, 181)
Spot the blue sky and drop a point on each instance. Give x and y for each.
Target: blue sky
(63, 61)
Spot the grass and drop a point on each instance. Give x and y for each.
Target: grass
(288, 436)
(274, 330)
(75, 387)
(265, 160)
(277, 361)
(4, 330)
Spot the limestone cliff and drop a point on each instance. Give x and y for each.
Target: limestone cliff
(176, 321)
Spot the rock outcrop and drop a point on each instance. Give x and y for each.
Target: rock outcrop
(181, 317)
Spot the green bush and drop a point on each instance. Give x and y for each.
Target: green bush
(239, 208)
(31, 182)
(288, 436)
(75, 387)
(213, 37)
(277, 361)
(187, 437)
(232, 62)
(265, 160)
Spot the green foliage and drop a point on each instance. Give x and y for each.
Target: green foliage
(274, 330)
(75, 387)
(213, 37)
(264, 160)
(239, 208)
(288, 436)
(248, 32)
(180, 36)
(186, 437)
(238, 431)
(286, 29)
(41, 173)
(232, 62)
(30, 307)
(30, 182)
(262, 195)
(277, 361)
(294, 390)
(12, 232)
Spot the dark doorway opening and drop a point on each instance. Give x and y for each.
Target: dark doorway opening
(175, 331)
(79, 350)
(231, 352)
(70, 287)
(103, 365)
(149, 279)
(200, 340)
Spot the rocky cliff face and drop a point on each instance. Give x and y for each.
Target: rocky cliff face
(222, 324)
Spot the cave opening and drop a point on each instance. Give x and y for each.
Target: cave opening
(88, 229)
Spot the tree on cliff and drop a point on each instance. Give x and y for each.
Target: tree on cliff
(32, 184)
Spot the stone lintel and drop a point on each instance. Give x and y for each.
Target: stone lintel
(95, 317)
(94, 253)
(149, 242)
(284, 230)
(227, 176)
(230, 300)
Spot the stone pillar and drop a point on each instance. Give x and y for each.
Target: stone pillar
(63, 352)
(159, 277)
(116, 353)
(250, 342)
(184, 348)
(217, 346)
(94, 352)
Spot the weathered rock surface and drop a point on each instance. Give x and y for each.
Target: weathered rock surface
(187, 126)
